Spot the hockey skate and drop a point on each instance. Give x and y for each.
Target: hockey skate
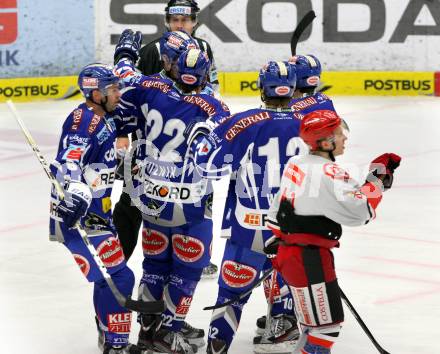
(280, 337)
(129, 349)
(166, 341)
(149, 325)
(193, 335)
(210, 271)
(217, 346)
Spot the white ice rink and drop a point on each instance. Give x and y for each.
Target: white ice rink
(389, 269)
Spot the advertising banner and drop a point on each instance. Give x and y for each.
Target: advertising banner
(46, 37)
(347, 35)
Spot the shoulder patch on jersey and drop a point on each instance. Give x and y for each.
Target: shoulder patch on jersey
(93, 123)
(334, 171)
(244, 123)
(304, 103)
(204, 147)
(77, 117)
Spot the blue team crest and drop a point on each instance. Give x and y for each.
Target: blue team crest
(204, 147)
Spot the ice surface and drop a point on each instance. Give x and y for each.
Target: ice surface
(390, 269)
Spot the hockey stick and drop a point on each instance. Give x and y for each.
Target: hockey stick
(242, 295)
(154, 307)
(299, 30)
(362, 324)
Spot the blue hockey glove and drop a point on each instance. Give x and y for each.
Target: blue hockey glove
(128, 46)
(199, 126)
(76, 201)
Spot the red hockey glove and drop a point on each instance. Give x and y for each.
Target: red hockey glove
(383, 167)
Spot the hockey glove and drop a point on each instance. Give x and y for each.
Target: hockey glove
(271, 246)
(128, 46)
(383, 168)
(199, 126)
(76, 201)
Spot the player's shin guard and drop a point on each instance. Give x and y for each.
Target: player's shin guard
(225, 320)
(282, 298)
(153, 280)
(114, 319)
(317, 340)
(178, 295)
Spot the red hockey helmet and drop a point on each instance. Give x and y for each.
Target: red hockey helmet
(317, 126)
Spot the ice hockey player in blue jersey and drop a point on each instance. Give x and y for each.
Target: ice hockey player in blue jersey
(253, 147)
(85, 166)
(306, 99)
(176, 202)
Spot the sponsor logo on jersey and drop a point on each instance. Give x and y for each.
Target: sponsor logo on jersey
(304, 103)
(78, 140)
(73, 153)
(110, 252)
(93, 123)
(188, 79)
(156, 85)
(334, 171)
(77, 116)
(119, 322)
(159, 170)
(252, 219)
(203, 104)
(244, 123)
(237, 275)
(110, 155)
(153, 242)
(187, 248)
(183, 306)
(313, 81)
(83, 263)
(103, 135)
(295, 174)
(102, 179)
(166, 192)
(282, 90)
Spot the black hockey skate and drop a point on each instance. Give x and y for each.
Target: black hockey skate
(193, 335)
(210, 271)
(217, 346)
(149, 326)
(129, 349)
(280, 338)
(166, 341)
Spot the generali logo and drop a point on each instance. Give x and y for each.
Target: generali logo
(8, 21)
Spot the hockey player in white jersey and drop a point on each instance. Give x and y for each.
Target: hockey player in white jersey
(314, 185)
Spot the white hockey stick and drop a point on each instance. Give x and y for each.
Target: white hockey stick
(154, 307)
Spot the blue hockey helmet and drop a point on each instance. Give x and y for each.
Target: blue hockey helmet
(172, 44)
(308, 71)
(96, 76)
(193, 65)
(277, 79)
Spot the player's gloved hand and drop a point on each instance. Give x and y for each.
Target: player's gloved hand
(197, 127)
(271, 246)
(128, 46)
(285, 216)
(383, 167)
(76, 201)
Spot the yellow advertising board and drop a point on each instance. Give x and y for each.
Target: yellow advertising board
(361, 83)
(38, 88)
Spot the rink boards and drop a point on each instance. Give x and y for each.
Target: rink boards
(358, 83)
